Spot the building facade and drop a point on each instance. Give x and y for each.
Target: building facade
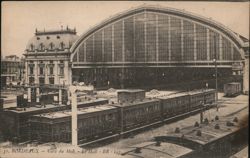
(47, 57)
(152, 45)
(12, 70)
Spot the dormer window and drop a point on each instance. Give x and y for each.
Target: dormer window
(51, 45)
(32, 47)
(62, 45)
(41, 46)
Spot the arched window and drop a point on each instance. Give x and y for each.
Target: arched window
(51, 45)
(62, 45)
(41, 46)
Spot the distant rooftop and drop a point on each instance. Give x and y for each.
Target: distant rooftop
(11, 58)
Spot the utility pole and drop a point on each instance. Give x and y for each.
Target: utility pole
(201, 113)
(74, 117)
(216, 75)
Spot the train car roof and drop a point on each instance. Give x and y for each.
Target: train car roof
(199, 91)
(176, 95)
(130, 90)
(92, 100)
(136, 102)
(34, 108)
(80, 111)
(233, 83)
(180, 94)
(47, 106)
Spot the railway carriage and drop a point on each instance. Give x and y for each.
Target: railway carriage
(209, 96)
(196, 99)
(175, 104)
(98, 121)
(232, 89)
(103, 120)
(138, 113)
(92, 122)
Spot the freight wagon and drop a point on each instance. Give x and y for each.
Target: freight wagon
(92, 121)
(232, 89)
(15, 119)
(99, 121)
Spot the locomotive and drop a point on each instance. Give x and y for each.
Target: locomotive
(103, 120)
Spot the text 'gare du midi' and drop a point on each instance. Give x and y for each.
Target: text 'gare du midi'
(146, 46)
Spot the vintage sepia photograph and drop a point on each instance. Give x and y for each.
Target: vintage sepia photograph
(124, 79)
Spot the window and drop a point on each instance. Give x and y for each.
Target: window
(41, 80)
(62, 45)
(51, 80)
(38, 38)
(48, 37)
(41, 46)
(61, 61)
(51, 70)
(58, 37)
(31, 70)
(31, 47)
(31, 80)
(51, 45)
(51, 62)
(41, 70)
(61, 72)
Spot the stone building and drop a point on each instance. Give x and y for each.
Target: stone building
(47, 57)
(12, 70)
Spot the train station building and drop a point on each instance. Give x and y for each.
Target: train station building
(150, 46)
(47, 57)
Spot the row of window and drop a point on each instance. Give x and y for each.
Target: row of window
(51, 46)
(142, 35)
(58, 37)
(50, 70)
(41, 80)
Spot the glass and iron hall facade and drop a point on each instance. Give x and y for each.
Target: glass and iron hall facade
(146, 44)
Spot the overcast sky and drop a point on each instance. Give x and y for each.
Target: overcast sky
(20, 19)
